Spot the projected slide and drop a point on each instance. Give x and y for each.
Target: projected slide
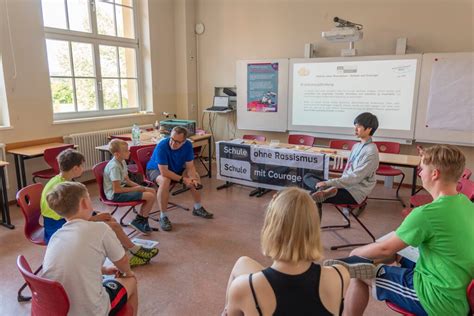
(333, 93)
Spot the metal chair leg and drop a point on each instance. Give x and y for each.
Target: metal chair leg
(125, 214)
(20, 297)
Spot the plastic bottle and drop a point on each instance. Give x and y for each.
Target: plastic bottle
(135, 135)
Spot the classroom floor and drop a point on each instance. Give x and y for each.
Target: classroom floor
(189, 275)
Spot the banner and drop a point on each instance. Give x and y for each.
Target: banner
(262, 87)
(268, 167)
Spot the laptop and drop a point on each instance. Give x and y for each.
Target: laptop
(221, 103)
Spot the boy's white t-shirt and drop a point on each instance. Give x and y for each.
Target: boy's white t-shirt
(74, 257)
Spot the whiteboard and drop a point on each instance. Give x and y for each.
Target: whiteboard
(262, 121)
(392, 80)
(423, 133)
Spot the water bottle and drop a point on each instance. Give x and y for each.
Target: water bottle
(135, 135)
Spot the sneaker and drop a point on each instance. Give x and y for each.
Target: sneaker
(140, 225)
(146, 225)
(146, 253)
(358, 267)
(136, 261)
(201, 212)
(165, 223)
(323, 195)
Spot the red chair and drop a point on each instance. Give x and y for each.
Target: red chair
(470, 300)
(143, 156)
(389, 171)
(351, 208)
(341, 144)
(98, 170)
(49, 297)
(306, 140)
(133, 167)
(466, 187)
(29, 200)
(50, 156)
(422, 199)
(259, 138)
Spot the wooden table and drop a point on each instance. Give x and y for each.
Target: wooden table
(196, 140)
(4, 196)
(398, 160)
(25, 153)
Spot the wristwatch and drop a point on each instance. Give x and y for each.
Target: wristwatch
(181, 180)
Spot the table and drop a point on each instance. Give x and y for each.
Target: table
(25, 153)
(196, 140)
(398, 160)
(4, 196)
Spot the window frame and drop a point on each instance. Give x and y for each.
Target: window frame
(96, 40)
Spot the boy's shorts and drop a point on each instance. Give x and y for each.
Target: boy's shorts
(51, 226)
(127, 196)
(395, 284)
(117, 294)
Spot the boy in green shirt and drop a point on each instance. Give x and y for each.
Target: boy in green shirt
(71, 166)
(443, 231)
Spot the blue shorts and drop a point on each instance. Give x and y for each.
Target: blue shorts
(51, 226)
(395, 284)
(127, 196)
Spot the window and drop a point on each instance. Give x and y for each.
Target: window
(92, 49)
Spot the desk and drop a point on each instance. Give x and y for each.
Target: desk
(196, 140)
(25, 153)
(398, 160)
(4, 196)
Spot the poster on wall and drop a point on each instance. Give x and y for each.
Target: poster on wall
(262, 87)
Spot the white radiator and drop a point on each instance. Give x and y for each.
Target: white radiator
(87, 142)
(3, 156)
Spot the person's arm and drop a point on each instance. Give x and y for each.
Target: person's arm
(191, 171)
(167, 173)
(123, 266)
(381, 250)
(236, 295)
(368, 166)
(118, 188)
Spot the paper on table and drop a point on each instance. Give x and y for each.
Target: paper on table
(411, 253)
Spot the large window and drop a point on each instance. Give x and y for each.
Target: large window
(93, 56)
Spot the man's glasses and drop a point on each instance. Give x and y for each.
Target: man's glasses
(176, 141)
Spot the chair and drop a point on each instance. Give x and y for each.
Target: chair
(50, 156)
(29, 200)
(259, 138)
(341, 144)
(197, 151)
(296, 139)
(389, 171)
(133, 167)
(143, 156)
(98, 170)
(422, 199)
(351, 208)
(470, 300)
(258, 192)
(49, 297)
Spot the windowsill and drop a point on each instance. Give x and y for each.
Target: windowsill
(101, 118)
(5, 127)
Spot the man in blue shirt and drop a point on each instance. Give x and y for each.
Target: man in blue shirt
(173, 160)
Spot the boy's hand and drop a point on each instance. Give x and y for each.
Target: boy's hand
(101, 217)
(128, 274)
(109, 270)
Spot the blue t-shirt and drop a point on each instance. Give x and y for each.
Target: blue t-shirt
(174, 159)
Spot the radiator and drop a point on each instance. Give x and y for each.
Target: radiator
(87, 142)
(3, 156)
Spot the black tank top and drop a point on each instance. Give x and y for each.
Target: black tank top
(296, 294)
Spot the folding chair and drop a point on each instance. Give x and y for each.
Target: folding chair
(341, 144)
(98, 170)
(29, 200)
(296, 139)
(49, 297)
(389, 171)
(351, 208)
(50, 156)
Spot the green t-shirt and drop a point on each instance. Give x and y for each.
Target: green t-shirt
(45, 210)
(443, 231)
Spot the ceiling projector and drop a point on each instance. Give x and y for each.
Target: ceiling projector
(343, 34)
